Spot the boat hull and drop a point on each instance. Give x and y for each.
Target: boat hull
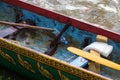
(32, 64)
(35, 65)
(83, 25)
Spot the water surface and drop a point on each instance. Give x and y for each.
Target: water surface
(101, 12)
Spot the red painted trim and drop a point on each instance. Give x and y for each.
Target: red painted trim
(62, 18)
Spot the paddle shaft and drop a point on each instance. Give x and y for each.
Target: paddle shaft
(25, 25)
(94, 58)
(54, 43)
(56, 40)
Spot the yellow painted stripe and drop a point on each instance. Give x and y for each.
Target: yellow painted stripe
(94, 58)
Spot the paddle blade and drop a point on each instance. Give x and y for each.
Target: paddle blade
(94, 58)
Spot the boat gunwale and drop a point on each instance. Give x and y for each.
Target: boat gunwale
(16, 49)
(79, 24)
(66, 19)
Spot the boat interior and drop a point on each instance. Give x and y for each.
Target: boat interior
(52, 42)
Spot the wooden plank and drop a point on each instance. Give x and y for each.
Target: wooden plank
(25, 25)
(94, 58)
(101, 38)
(95, 67)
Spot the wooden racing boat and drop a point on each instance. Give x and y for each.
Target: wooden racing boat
(34, 42)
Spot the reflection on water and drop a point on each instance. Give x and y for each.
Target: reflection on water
(102, 12)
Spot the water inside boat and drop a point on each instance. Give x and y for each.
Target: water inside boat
(40, 40)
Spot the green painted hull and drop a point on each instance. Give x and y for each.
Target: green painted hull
(37, 66)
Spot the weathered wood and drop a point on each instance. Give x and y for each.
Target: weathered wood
(101, 38)
(56, 40)
(54, 43)
(25, 26)
(8, 31)
(95, 67)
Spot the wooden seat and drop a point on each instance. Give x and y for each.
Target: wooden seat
(100, 47)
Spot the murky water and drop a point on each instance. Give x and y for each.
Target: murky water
(101, 12)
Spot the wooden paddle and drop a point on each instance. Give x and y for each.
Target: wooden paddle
(25, 25)
(94, 58)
